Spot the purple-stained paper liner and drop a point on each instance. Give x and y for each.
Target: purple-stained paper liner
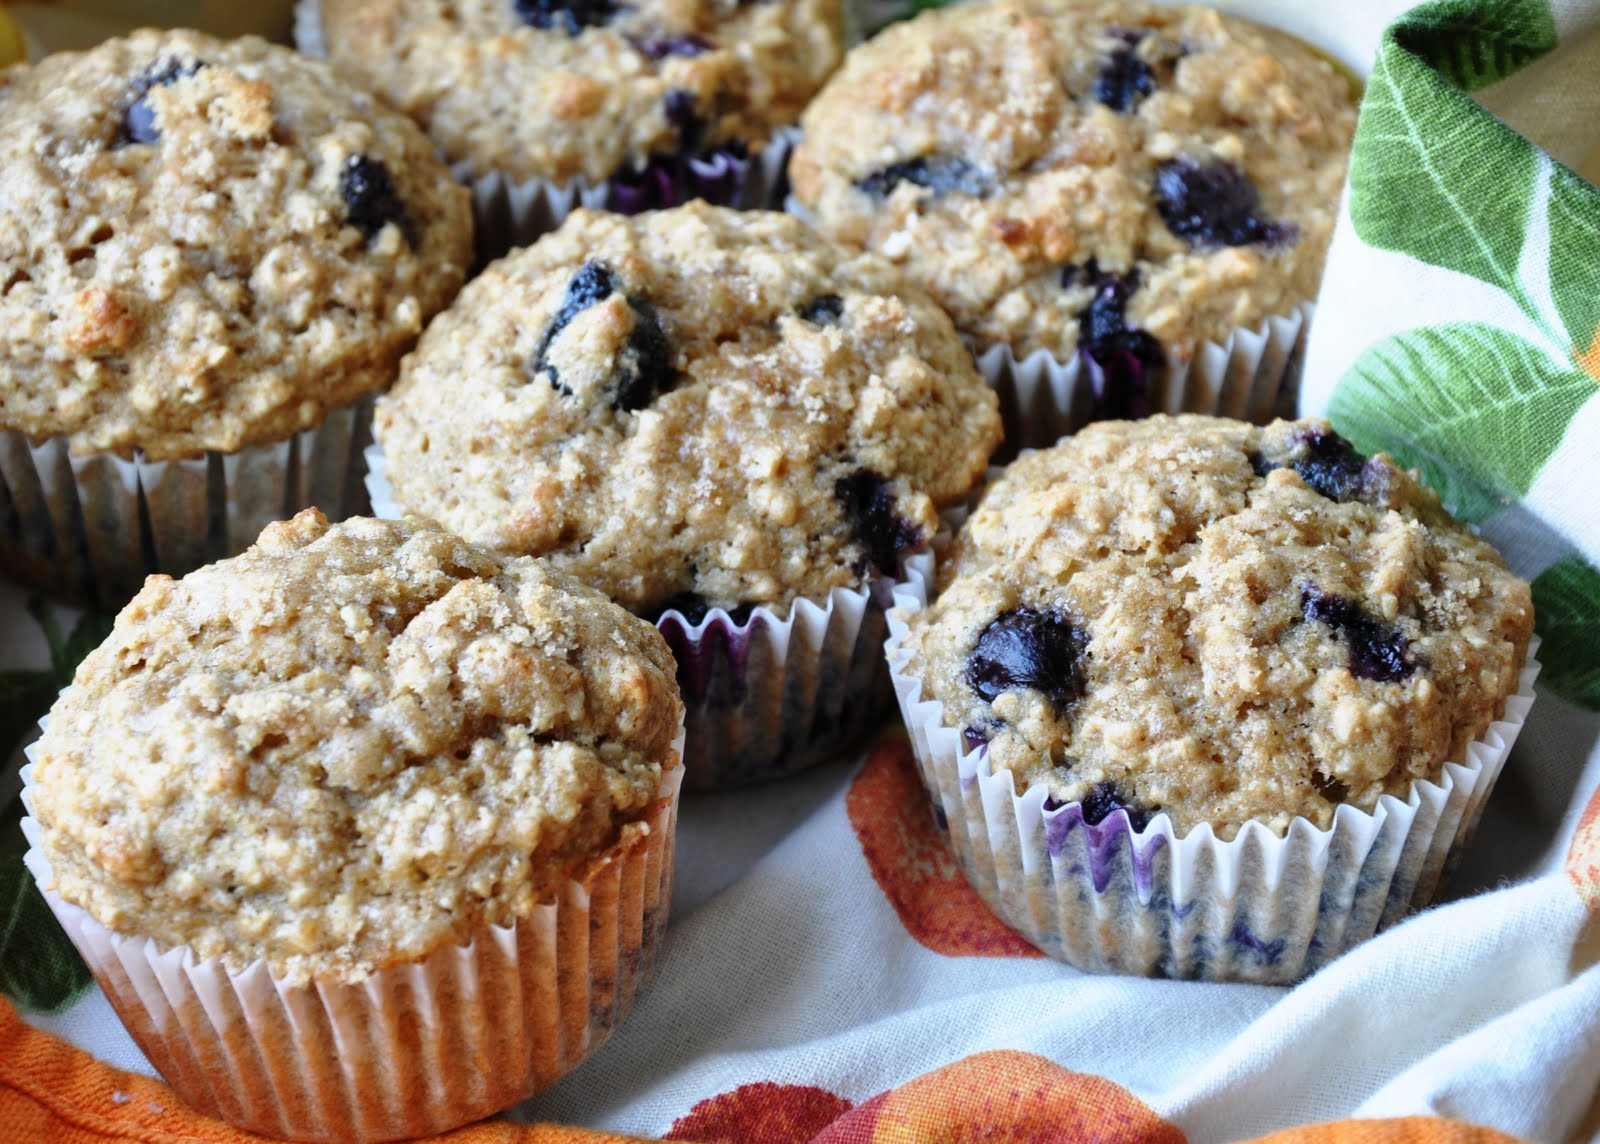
(414, 1049)
(508, 212)
(1253, 375)
(769, 695)
(1260, 908)
(90, 528)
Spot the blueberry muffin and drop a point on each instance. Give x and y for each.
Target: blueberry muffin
(696, 409)
(1107, 176)
(1196, 617)
(554, 89)
(1205, 700)
(337, 758)
(207, 247)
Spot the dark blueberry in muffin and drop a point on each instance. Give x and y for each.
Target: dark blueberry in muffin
(1124, 78)
(1377, 651)
(569, 16)
(138, 117)
(1023, 647)
(868, 504)
(823, 310)
(645, 367)
(941, 174)
(973, 737)
(1105, 797)
(1213, 204)
(688, 44)
(371, 201)
(593, 283)
(679, 107)
(1325, 461)
(1126, 355)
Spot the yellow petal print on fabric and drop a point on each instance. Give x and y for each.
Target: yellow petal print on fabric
(1404, 1130)
(1589, 359)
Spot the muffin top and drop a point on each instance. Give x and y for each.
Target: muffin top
(552, 89)
(348, 746)
(1103, 175)
(691, 407)
(207, 244)
(1225, 623)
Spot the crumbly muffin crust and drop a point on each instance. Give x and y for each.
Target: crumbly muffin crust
(557, 88)
(1226, 623)
(207, 244)
(348, 746)
(1074, 173)
(696, 401)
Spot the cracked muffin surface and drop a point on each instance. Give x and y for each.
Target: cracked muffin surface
(553, 89)
(208, 244)
(349, 746)
(1224, 623)
(1121, 178)
(696, 407)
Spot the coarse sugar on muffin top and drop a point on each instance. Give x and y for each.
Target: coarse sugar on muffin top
(349, 746)
(1106, 175)
(208, 244)
(1195, 616)
(554, 89)
(689, 408)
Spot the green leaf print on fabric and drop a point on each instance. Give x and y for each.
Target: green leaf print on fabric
(1575, 260)
(39, 969)
(1566, 600)
(1478, 409)
(1479, 42)
(1435, 176)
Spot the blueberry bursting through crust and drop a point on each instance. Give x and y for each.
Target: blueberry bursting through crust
(644, 368)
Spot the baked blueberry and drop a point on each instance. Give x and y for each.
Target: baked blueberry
(569, 16)
(679, 107)
(1377, 651)
(645, 367)
(941, 174)
(823, 310)
(1124, 77)
(1105, 797)
(1330, 464)
(1027, 648)
(868, 505)
(593, 283)
(689, 44)
(1213, 203)
(371, 201)
(138, 117)
(1124, 354)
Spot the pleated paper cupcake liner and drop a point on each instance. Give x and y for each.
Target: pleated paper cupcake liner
(769, 694)
(415, 1049)
(1260, 908)
(1253, 375)
(89, 529)
(509, 212)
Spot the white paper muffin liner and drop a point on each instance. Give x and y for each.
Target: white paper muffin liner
(1253, 375)
(510, 212)
(415, 1049)
(91, 528)
(766, 696)
(1260, 908)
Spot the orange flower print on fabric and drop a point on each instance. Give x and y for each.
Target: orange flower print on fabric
(761, 1113)
(1003, 1097)
(1583, 856)
(1589, 359)
(1406, 1130)
(911, 861)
